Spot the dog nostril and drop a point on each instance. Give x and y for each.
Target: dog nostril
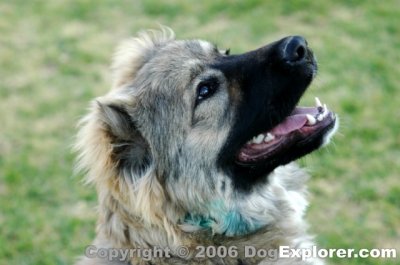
(294, 49)
(300, 52)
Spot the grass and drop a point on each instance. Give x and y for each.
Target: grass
(54, 58)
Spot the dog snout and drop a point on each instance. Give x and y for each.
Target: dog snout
(293, 49)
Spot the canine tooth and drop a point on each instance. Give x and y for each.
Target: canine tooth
(269, 137)
(311, 120)
(325, 113)
(318, 102)
(258, 139)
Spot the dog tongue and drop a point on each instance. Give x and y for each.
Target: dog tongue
(290, 124)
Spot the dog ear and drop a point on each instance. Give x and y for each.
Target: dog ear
(130, 150)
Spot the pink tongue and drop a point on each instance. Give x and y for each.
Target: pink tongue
(290, 124)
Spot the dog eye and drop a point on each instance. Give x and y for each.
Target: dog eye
(205, 90)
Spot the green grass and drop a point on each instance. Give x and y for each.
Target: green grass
(54, 58)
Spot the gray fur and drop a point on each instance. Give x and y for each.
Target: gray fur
(152, 160)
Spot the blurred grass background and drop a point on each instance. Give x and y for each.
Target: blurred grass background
(54, 58)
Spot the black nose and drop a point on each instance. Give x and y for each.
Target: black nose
(294, 49)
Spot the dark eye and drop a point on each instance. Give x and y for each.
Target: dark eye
(205, 90)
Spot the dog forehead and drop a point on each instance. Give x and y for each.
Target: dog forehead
(206, 46)
(191, 49)
(178, 62)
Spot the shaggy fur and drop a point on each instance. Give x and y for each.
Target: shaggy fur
(153, 161)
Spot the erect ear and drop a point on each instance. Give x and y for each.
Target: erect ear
(130, 150)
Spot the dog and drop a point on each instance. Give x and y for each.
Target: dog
(192, 151)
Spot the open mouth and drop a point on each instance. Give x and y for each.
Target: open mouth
(304, 125)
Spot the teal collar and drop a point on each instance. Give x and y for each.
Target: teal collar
(229, 223)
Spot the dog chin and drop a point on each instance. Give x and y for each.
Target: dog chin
(328, 135)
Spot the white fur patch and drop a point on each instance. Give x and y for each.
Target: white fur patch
(328, 136)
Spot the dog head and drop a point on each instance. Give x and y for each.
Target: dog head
(191, 137)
